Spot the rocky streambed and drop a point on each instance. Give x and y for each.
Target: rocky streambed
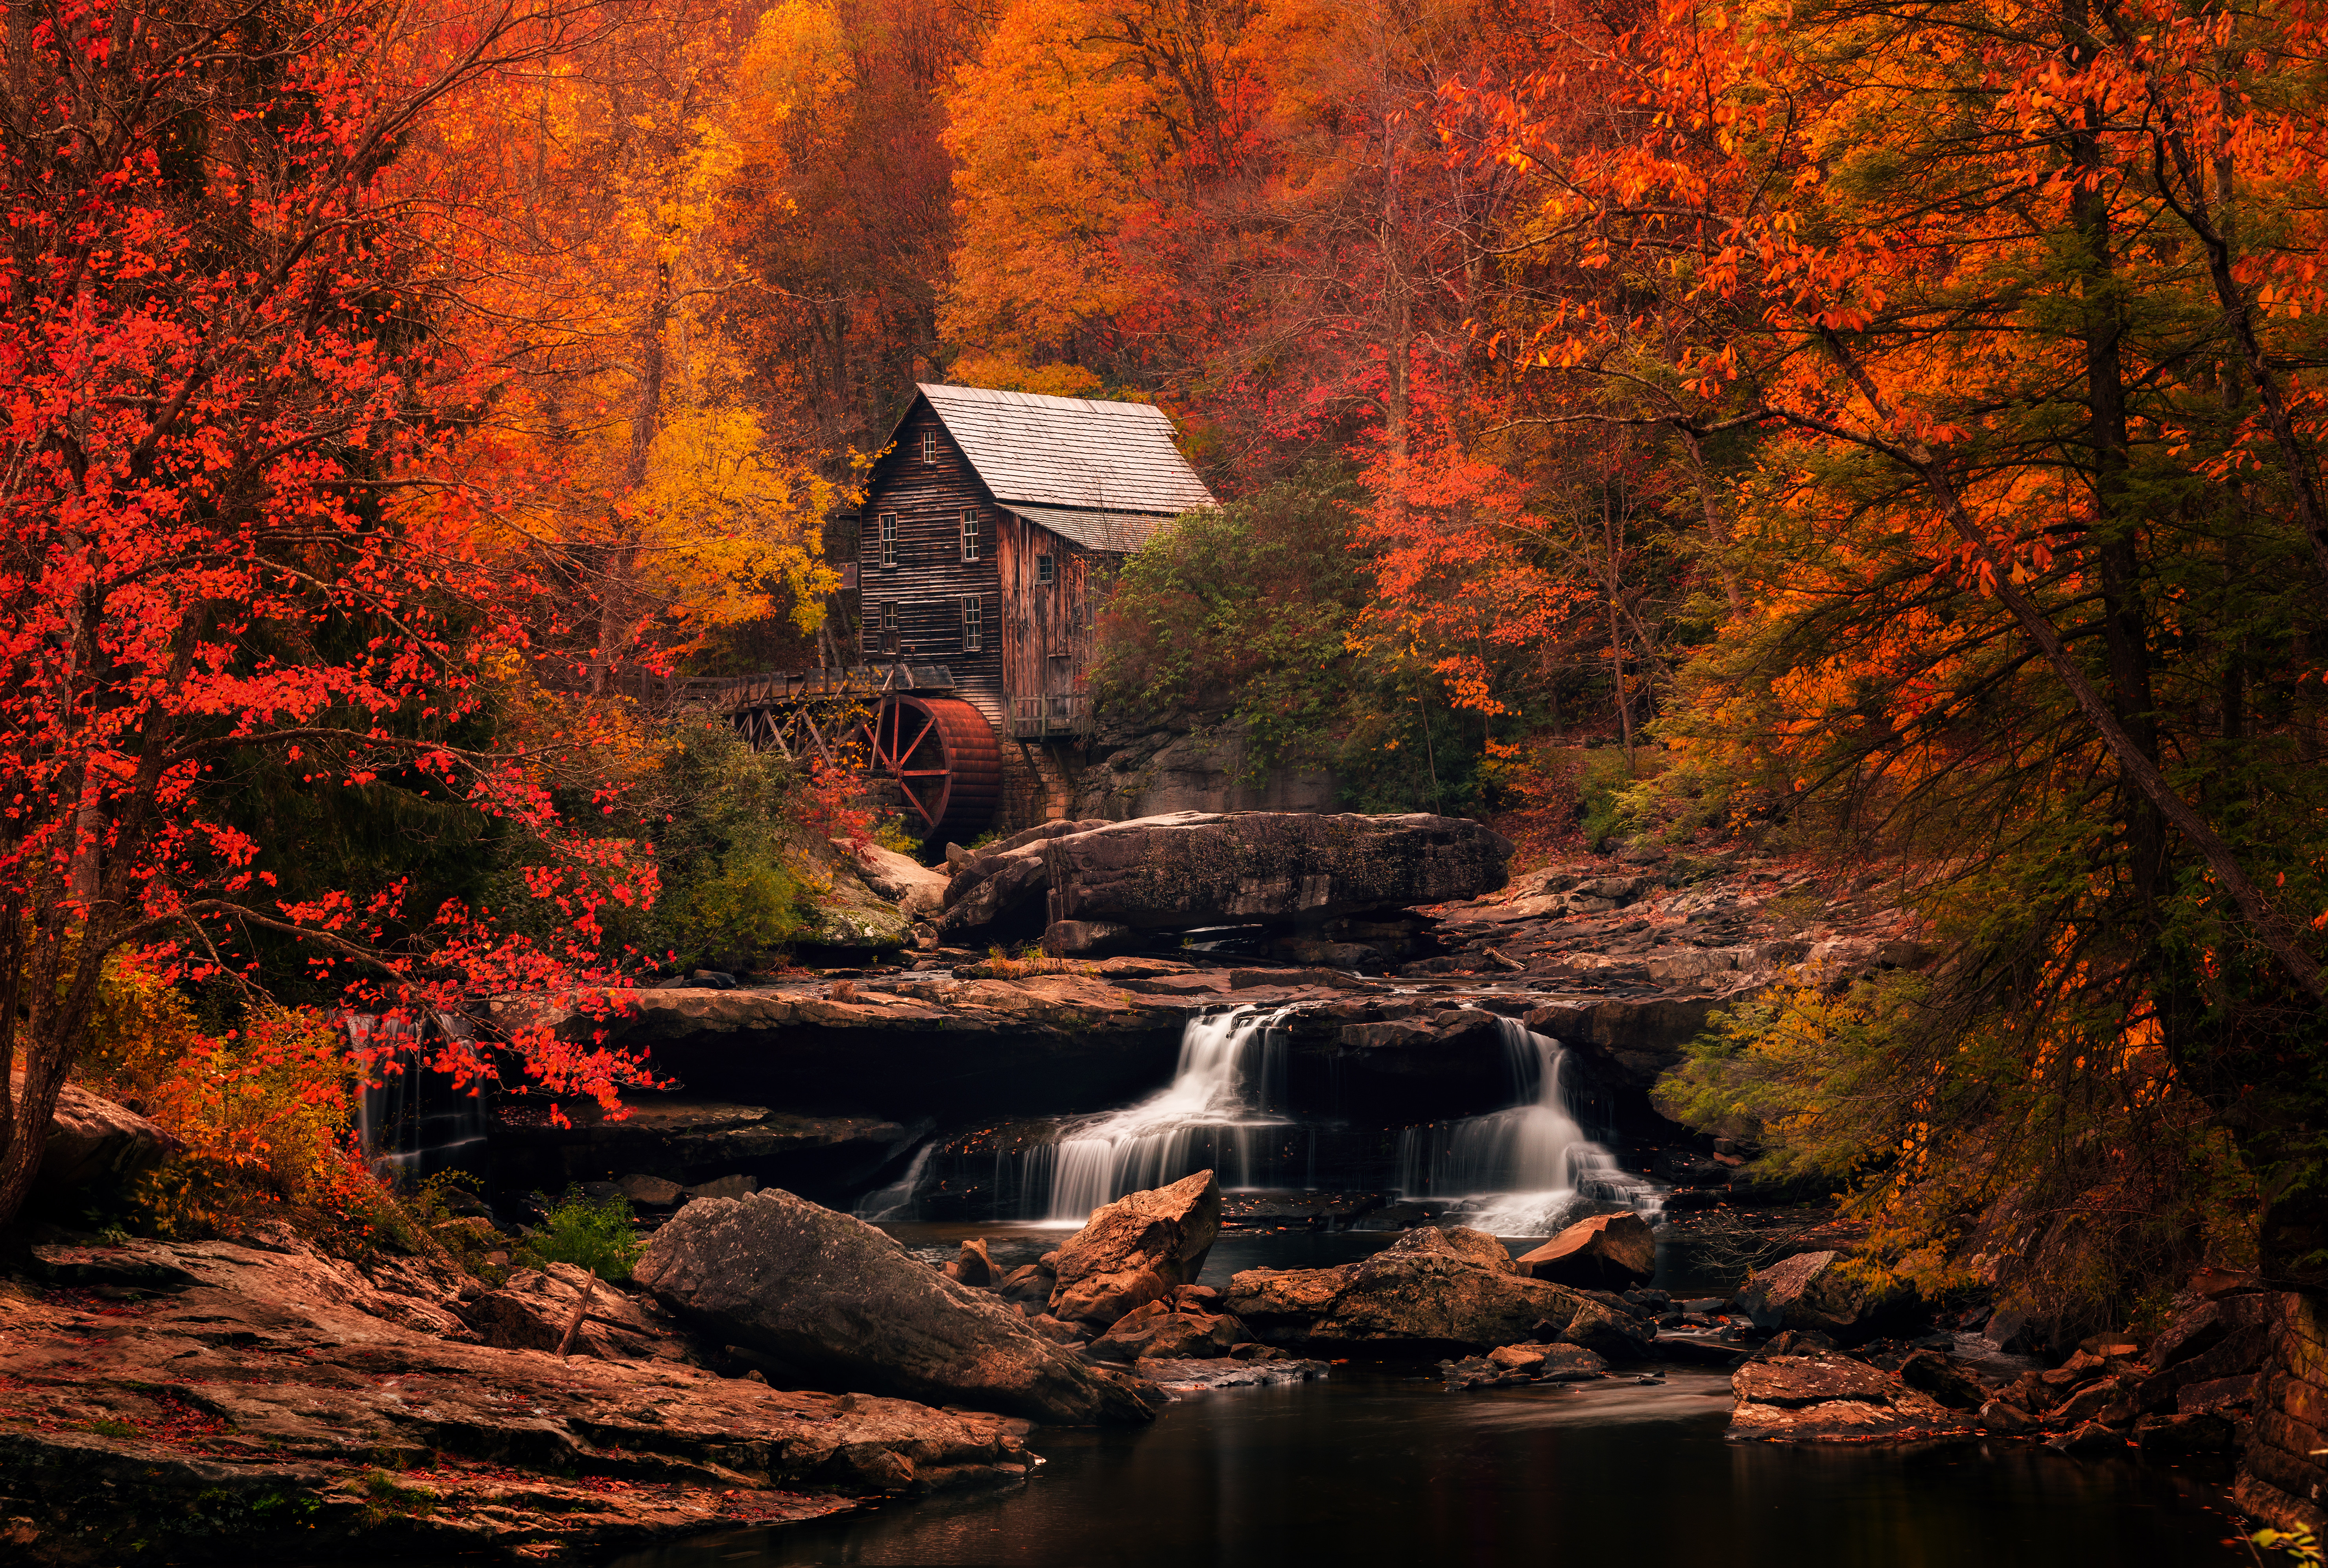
(1411, 1102)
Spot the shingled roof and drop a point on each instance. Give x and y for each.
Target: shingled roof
(1085, 463)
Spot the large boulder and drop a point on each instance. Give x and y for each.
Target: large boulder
(840, 1302)
(1818, 1292)
(1609, 1251)
(1196, 868)
(918, 890)
(1003, 885)
(94, 1141)
(1431, 1289)
(1139, 1248)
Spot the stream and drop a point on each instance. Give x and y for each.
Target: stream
(1378, 1463)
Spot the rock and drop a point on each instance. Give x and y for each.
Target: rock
(726, 1187)
(2011, 1420)
(2090, 1403)
(1275, 1301)
(1139, 1248)
(1006, 884)
(1056, 1332)
(1812, 1291)
(1827, 1398)
(1071, 938)
(1609, 1251)
(2172, 1437)
(1293, 979)
(1948, 1381)
(1479, 1372)
(2090, 1440)
(93, 1140)
(251, 1414)
(1429, 1290)
(834, 1297)
(1608, 1333)
(918, 890)
(531, 1309)
(1029, 1282)
(1171, 1335)
(652, 1191)
(846, 912)
(2218, 1394)
(1182, 1378)
(684, 1139)
(974, 1267)
(1194, 868)
(1550, 1363)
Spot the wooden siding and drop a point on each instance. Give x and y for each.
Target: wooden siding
(930, 579)
(1047, 641)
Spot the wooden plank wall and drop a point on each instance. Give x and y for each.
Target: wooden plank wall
(1045, 644)
(930, 579)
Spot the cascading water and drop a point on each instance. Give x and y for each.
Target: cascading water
(1218, 1112)
(1528, 1167)
(895, 1201)
(412, 1120)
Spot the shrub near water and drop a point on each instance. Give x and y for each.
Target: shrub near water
(265, 1114)
(595, 1233)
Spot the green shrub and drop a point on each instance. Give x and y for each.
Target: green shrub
(591, 1233)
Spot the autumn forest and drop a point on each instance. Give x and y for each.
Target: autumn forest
(1883, 437)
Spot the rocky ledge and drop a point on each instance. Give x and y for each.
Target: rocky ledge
(240, 1400)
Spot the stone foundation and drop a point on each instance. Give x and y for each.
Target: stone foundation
(2282, 1475)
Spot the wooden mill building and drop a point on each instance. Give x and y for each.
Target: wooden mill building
(991, 526)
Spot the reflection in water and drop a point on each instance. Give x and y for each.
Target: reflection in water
(1377, 1467)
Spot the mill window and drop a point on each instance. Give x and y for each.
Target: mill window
(929, 445)
(969, 533)
(973, 624)
(1042, 569)
(888, 538)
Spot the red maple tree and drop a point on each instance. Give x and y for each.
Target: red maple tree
(226, 396)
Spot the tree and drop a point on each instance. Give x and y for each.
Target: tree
(2029, 587)
(220, 532)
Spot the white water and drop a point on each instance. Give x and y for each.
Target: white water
(895, 1200)
(1227, 1075)
(1527, 1170)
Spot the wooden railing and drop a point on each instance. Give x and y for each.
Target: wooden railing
(769, 688)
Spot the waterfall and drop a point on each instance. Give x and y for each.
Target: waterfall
(1530, 1165)
(1216, 1112)
(895, 1201)
(413, 1121)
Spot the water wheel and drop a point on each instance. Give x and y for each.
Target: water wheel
(944, 757)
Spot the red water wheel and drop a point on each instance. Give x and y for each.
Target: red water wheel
(943, 756)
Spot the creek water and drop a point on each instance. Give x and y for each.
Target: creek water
(1378, 1465)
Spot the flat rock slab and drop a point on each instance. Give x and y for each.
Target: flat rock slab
(1184, 1378)
(1825, 1398)
(281, 1405)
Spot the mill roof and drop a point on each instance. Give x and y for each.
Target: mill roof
(1104, 474)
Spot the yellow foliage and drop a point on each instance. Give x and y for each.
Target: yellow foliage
(1011, 373)
(1053, 140)
(723, 524)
